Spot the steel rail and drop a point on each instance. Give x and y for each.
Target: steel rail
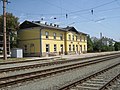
(45, 64)
(23, 61)
(10, 80)
(75, 83)
(109, 83)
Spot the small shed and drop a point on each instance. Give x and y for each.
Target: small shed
(17, 53)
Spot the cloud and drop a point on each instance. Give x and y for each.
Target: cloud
(51, 17)
(74, 17)
(58, 23)
(22, 17)
(43, 22)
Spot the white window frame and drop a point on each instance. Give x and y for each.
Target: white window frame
(61, 36)
(47, 34)
(54, 35)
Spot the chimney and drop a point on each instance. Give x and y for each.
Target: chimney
(54, 25)
(67, 26)
(37, 21)
(50, 24)
(45, 23)
(101, 35)
(57, 25)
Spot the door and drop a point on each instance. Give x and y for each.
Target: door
(61, 47)
(80, 48)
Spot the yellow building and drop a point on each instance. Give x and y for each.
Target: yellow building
(76, 42)
(38, 39)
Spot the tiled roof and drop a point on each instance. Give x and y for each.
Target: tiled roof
(29, 24)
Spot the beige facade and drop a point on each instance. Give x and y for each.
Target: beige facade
(40, 40)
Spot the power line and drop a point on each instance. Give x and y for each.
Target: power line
(66, 15)
(92, 7)
(59, 14)
(55, 5)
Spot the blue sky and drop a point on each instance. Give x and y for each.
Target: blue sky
(105, 17)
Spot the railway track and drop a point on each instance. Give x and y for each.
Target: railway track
(24, 61)
(19, 78)
(100, 80)
(24, 67)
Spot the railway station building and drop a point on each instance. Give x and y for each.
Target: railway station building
(37, 39)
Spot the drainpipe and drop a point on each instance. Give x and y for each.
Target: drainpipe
(41, 42)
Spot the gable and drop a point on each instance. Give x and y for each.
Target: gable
(27, 24)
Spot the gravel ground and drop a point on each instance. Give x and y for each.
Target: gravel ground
(20, 64)
(62, 56)
(106, 76)
(40, 68)
(60, 79)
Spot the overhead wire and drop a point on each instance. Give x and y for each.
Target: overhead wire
(66, 15)
(92, 7)
(64, 9)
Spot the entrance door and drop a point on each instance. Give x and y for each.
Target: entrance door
(61, 47)
(80, 48)
(76, 48)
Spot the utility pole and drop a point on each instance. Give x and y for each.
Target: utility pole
(4, 30)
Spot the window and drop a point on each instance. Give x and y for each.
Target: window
(55, 48)
(25, 48)
(84, 39)
(47, 47)
(76, 38)
(80, 48)
(80, 38)
(61, 46)
(54, 35)
(69, 37)
(73, 47)
(32, 45)
(73, 37)
(61, 36)
(47, 34)
(69, 47)
(77, 48)
(84, 48)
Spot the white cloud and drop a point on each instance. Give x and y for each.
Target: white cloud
(22, 17)
(43, 22)
(58, 23)
(74, 17)
(51, 17)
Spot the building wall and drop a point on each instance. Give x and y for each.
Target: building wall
(29, 41)
(80, 41)
(83, 43)
(51, 41)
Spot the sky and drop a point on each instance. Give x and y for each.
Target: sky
(89, 16)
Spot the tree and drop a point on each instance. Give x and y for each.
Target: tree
(97, 46)
(11, 22)
(89, 44)
(12, 26)
(117, 46)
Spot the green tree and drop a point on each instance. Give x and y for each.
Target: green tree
(89, 44)
(12, 26)
(117, 46)
(11, 22)
(97, 46)
(104, 48)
